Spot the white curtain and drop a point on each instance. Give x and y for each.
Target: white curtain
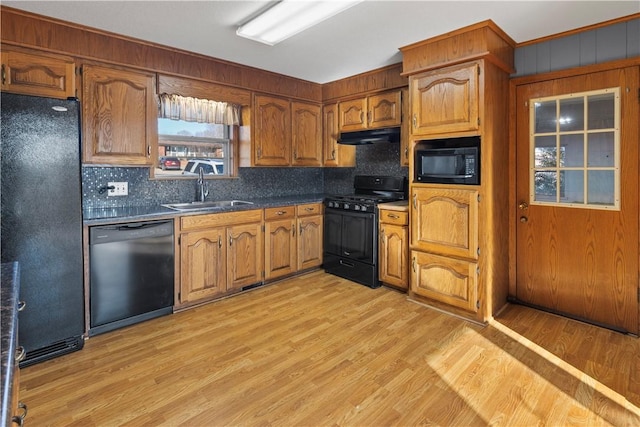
(189, 109)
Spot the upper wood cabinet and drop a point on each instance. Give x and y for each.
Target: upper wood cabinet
(334, 154)
(445, 100)
(39, 75)
(370, 112)
(120, 111)
(272, 131)
(286, 133)
(306, 134)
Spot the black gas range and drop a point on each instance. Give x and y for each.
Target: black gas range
(351, 227)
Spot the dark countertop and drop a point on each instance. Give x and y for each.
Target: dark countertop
(105, 216)
(9, 293)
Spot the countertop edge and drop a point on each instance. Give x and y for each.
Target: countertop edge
(132, 214)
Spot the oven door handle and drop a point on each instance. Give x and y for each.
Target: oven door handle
(347, 264)
(435, 175)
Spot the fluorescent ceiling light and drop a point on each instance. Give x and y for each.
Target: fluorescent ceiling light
(289, 17)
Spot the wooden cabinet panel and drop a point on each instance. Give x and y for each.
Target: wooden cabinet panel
(384, 110)
(203, 264)
(280, 247)
(38, 75)
(272, 131)
(244, 257)
(310, 234)
(306, 134)
(334, 154)
(394, 254)
(219, 253)
(371, 112)
(119, 116)
(309, 209)
(445, 221)
(446, 100)
(352, 114)
(444, 279)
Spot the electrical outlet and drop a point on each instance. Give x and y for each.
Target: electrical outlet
(121, 188)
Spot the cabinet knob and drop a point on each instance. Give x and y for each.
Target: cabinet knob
(524, 219)
(415, 121)
(523, 205)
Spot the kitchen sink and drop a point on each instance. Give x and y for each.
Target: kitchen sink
(194, 206)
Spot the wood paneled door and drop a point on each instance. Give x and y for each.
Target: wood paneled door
(577, 196)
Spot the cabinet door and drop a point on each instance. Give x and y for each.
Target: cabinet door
(445, 100)
(310, 235)
(280, 248)
(352, 115)
(393, 255)
(244, 255)
(335, 155)
(306, 134)
(384, 110)
(203, 264)
(120, 116)
(38, 75)
(451, 281)
(272, 131)
(445, 221)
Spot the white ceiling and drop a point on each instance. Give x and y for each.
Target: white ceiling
(365, 37)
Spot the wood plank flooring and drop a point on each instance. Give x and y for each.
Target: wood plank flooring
(317, 350)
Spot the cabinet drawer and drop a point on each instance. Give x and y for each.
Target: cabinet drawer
(282, 212)
(447, 280)
(394, 217)
(220, 219)
(309, 209)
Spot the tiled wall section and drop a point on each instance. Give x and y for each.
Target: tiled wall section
(381, 159)
(618, 41)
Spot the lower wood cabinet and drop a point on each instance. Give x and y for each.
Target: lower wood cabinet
(443, 279)
(219, 253)
(293, 239)
(310, 235)
(393, 248)
(279, 242)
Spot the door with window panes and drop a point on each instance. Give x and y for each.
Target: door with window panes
(577, 197)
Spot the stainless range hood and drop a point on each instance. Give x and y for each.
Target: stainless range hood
(374, 136)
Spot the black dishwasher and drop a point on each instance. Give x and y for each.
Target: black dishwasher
(131, 274)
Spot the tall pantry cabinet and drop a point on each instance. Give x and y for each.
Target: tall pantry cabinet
(459, 87)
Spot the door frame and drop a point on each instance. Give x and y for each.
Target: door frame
(513, 86)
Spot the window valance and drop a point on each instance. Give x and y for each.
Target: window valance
(190, 109)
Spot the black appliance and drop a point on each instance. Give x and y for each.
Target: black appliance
(351, 227)
(42, 220)
(448, 161)
(372, 136)
(131, 268)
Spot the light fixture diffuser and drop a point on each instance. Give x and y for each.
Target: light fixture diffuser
(289, 17)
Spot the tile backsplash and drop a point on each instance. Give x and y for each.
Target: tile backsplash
(377, 159)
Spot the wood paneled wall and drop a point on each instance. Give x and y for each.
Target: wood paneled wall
(365, 83)
(35, 31)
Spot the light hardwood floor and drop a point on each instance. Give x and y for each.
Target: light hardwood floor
(318, 350)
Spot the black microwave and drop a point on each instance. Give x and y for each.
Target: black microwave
(448, 161)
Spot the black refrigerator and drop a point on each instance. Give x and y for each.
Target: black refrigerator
(42, 220)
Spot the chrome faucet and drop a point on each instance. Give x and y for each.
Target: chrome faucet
(203, 189)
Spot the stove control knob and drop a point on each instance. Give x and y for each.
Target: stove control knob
(345, 206)
(356, 207)
(363, 208)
